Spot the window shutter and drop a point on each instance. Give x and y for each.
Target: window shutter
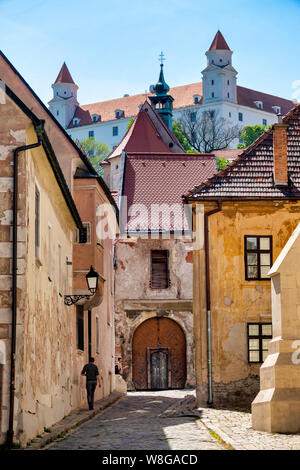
(159, 269)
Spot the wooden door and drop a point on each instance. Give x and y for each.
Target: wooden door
(159, 369)
(154, 336)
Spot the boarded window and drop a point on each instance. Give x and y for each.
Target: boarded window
(87, 227)
(159, 269)
(80, 327)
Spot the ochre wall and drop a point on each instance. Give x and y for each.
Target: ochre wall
(234, 301)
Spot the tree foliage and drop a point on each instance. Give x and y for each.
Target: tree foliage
(222, 163)
(177, 130)
(207, 131)
(131, 120)
(249, 134)
(96, 152)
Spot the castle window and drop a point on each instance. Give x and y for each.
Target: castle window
(258, 257)
(227, 82)
(277, 109)
(259, 336)
(212, 82)
(227, 95)
(115, 130)
(193, 117)
(212, 95)
(229, 114)
(159, 269)
(57, 113)
(220, 60)
(264, 121)
(119, 113)
(91, 134)
(240, 116)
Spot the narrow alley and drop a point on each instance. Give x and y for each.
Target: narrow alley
(139, 422)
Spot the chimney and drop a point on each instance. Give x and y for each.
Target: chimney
(280, 154)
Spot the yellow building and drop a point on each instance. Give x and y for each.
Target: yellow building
(243, 217)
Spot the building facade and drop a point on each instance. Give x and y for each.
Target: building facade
(51, 204)
(153, 254)
(243, 217)
(218, 91)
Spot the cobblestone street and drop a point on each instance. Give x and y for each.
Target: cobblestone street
(139, 421)
(134, 423)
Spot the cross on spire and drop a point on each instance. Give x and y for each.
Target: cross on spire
(161, 58)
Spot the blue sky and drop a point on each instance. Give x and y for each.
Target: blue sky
(112, 47)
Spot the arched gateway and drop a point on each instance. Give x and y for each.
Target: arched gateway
(159, 355)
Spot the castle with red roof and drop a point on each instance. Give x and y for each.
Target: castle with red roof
(218, 91)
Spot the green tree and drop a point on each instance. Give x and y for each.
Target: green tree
(178, 131)
(222, 163)
(249, 134)
(131, 120)
(96, 152)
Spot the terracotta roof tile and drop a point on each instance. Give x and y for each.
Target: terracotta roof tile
(251, 174)
(159, 179)
(183, 97)
(64, 75)
(219, 42)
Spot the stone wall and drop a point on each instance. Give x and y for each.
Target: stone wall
(136, 302)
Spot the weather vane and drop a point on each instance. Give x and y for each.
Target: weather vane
(161, 58)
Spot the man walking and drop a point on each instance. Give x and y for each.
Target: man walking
(91, 372)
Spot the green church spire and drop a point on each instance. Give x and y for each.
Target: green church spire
(162, 102)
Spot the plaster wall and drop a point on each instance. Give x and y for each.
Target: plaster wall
(234, 301)
(136, 302)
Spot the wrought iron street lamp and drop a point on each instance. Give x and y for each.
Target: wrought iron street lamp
(92, 282)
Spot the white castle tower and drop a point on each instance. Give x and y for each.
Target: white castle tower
(64, 101)
(219, 77)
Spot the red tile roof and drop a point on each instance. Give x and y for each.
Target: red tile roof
(148, 133)
(152, 180)
(228, 154)
(251, 174)
(64, 75)
(183, 97)
(219, 43)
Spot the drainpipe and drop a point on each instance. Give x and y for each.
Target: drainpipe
(10, 432)
(208, 310)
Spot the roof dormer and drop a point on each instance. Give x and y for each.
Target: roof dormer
(259, 104)
(76, 121)
(96, 117)
(277, 109)
(119, 113)
(196, 99)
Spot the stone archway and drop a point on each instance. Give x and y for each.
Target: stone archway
(159, 355)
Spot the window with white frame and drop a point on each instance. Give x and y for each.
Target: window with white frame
(259, 336)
